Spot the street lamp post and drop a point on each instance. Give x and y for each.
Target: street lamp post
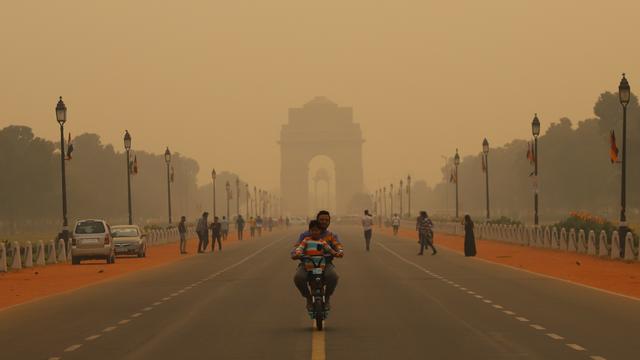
(167, 159)
(624, 92)
(535, 130)
(255, 202)
(127, 147)
(246, 193)
(485, 151)
(238, 196)
(391, 198)
(228, 188)
(456, 162)
(409, 195)
(213, 189)
(400, 195)
(61, 117)
(384, 198)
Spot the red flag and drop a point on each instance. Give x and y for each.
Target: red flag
(613, 149)
(69, 148)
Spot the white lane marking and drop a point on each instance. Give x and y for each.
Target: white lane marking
(508, 312)
(555, 336)
(54, 358)
(522, 319)
(72, 348)
(487, 301)
(157, 303)
(165, 299)
(537, 327)
(497, 306)
(463, 289)
(175, 294)
(470, 292)
(122, 322)
(596, 357)
(576, 347)
(136, 315)
(478, 296)
(148, 308)
(92, 337)
(110, 328)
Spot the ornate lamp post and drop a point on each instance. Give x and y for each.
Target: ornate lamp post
(246, 193)
(400, 195)
(167, 160)
(213, 182)
(624, 91)
(61, 117)
(391, 194)
(255, 202)
(535, 130)
(485, 151)
(238, 196)
(456, 162)
(409, 195)
(127, 147)
(228, 188)
(384, 212)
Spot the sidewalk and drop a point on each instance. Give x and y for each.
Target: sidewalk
(33, 283)
(614, 276)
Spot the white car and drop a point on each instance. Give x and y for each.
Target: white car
(129, 240)
(92, 240)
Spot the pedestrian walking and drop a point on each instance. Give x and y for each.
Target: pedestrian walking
(182, 230)
(259, 225)
(395, 223)
(367, 225)
(216, 234)
(202, 229)
(252, 227)
(424, 226)
(270, 223)
(469, 237)
(224, 227)
(240, 226)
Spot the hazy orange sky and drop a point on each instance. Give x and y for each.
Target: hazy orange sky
(214, 79)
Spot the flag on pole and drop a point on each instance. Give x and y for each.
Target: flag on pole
(69, 148)
(134, 166)
(530, 153)
(454, 176)
(171, 176)
(613, 149)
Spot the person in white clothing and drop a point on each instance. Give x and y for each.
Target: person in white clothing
(367, 225)
(395, 223)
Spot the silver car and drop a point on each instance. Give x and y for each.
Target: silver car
(129, 240)
(92, 240)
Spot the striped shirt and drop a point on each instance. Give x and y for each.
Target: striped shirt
(315, 249)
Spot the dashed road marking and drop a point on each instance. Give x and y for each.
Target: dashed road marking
(520, 318)
(92, 337)
(165, 299)
(122, 322)
(478, 296)
(148, 308)
(596, 357)
(157, 303)
(497, 306)
(576, 347)
(109, 329)
(54, 358)
(72, 348)
(487, 301)
(537, 327)
(508, 312)
(555, 336)
(136, 315)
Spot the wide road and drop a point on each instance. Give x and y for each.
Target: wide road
(390, 304)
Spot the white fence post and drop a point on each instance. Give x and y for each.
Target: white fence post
(40, 254)
(563, 239)
(28, 258)
(591, 243)
(615, 245)
(629, 248)
(603, 246)
(16, 262)
(582, 242)
(53, 257)
(572, 241)
(3, 258)
(62, 251)
(555, 243)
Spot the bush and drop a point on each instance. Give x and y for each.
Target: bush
(585, 221)
(503, 220)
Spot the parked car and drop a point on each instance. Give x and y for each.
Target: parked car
(92, 240)
(296, 220)
(129, 240)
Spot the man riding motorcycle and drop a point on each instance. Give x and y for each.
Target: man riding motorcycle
(331, 277)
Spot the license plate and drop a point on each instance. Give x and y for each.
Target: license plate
(90, 241)
(316, 271)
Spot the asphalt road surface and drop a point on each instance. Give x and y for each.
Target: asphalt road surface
(390, 304)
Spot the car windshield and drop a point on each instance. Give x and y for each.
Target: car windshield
(90, 227)
(124, 232)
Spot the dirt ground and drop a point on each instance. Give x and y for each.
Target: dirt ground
(615, 276)
(21, 286)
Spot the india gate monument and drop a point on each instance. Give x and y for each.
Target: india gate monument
(320, 128)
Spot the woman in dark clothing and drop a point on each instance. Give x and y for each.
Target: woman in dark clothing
(469, 237)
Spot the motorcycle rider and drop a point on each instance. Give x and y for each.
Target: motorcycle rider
(331, 277)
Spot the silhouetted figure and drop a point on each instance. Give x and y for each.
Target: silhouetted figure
(202, 229)
(424, 226)
(240, 226)
(182, 230)
(216, 234)
(469, 237)
(367, 226)
(224, 227)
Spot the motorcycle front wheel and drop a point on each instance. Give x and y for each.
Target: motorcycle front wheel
(319, 310)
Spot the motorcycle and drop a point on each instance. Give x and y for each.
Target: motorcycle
(317, 286)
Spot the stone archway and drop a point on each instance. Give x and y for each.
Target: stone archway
(320, 127)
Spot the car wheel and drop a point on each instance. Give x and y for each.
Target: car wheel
(75, 260)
